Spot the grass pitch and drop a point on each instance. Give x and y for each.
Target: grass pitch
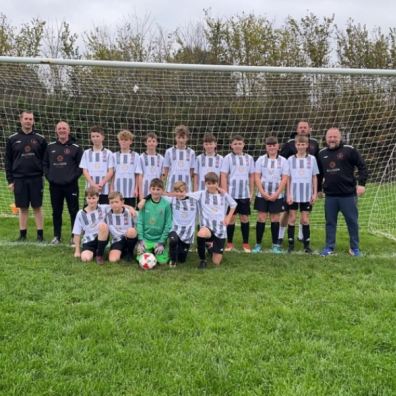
(258, 325)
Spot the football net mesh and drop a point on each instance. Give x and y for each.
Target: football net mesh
(255, 104)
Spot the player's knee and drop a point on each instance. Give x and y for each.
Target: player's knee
(217, 258)
(86, 257)
(262, 217)
(203, 233)
(244, 218)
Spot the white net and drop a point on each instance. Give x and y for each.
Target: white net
(382, 218)
(255, 104)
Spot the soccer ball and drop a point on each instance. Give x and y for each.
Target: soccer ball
(147, 261)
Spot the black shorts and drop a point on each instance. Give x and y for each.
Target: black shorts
(119, 245)
(29, 192)
(243, 206)
(303, 206)
(130, 202)
(262, 205)
(92, 246)
(218, 243)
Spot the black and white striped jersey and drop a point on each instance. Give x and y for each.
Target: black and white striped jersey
(184, 214)
(212, 209)
(271, 172)
(151, 165)
(238, 168)
(97, 163)
(301, 171)
(180, 163)
(205, 164)
(126, 166)
(119, 223)
(87, 223)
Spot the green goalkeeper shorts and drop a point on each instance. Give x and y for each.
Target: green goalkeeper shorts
(162, 258)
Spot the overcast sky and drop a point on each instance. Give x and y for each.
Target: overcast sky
(82, 15)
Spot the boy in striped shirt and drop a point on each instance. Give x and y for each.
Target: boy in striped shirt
(127, 169)
(97, 164)
(119, 220)
(90, 222)
(207, 162)
(151, 164)
(213, 219)
(271, 177)
(237, 178)
(179, 160)
(302, 189)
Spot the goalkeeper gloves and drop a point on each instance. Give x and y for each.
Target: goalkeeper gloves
(159, 248)
(140, 248)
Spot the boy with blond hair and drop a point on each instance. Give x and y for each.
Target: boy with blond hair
(119, 220)
(127, 169)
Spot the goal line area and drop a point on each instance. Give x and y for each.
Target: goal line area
(255, 102)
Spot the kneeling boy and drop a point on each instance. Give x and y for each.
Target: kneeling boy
(154, 223)
(90, 222)
(121, 227)
(212, 209)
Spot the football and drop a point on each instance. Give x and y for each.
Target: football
(147, 261)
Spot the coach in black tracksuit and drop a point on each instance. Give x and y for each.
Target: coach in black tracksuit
(61, 168)
(337, 163)
(24, 172)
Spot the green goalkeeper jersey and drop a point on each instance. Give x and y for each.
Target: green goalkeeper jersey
(155, 221)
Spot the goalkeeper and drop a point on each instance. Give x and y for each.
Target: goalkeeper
(154, 224)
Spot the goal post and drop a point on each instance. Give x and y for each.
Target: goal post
(224, 100)
(382, 215)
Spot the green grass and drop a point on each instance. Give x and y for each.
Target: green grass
(258, 325)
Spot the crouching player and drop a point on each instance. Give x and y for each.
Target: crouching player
(121, 227)
(212, 209)
(90, 222)
(154, 224)
(184, 212)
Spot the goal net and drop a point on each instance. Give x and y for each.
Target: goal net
(252, 101)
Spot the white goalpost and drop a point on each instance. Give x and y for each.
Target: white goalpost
(255, 102)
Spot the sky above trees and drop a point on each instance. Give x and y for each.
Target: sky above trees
(82, 15)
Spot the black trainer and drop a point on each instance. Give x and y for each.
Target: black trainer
(308, 250)
(290, 248)
(202, 264)
(22, 238)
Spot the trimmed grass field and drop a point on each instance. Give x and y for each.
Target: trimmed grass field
(258, 325)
